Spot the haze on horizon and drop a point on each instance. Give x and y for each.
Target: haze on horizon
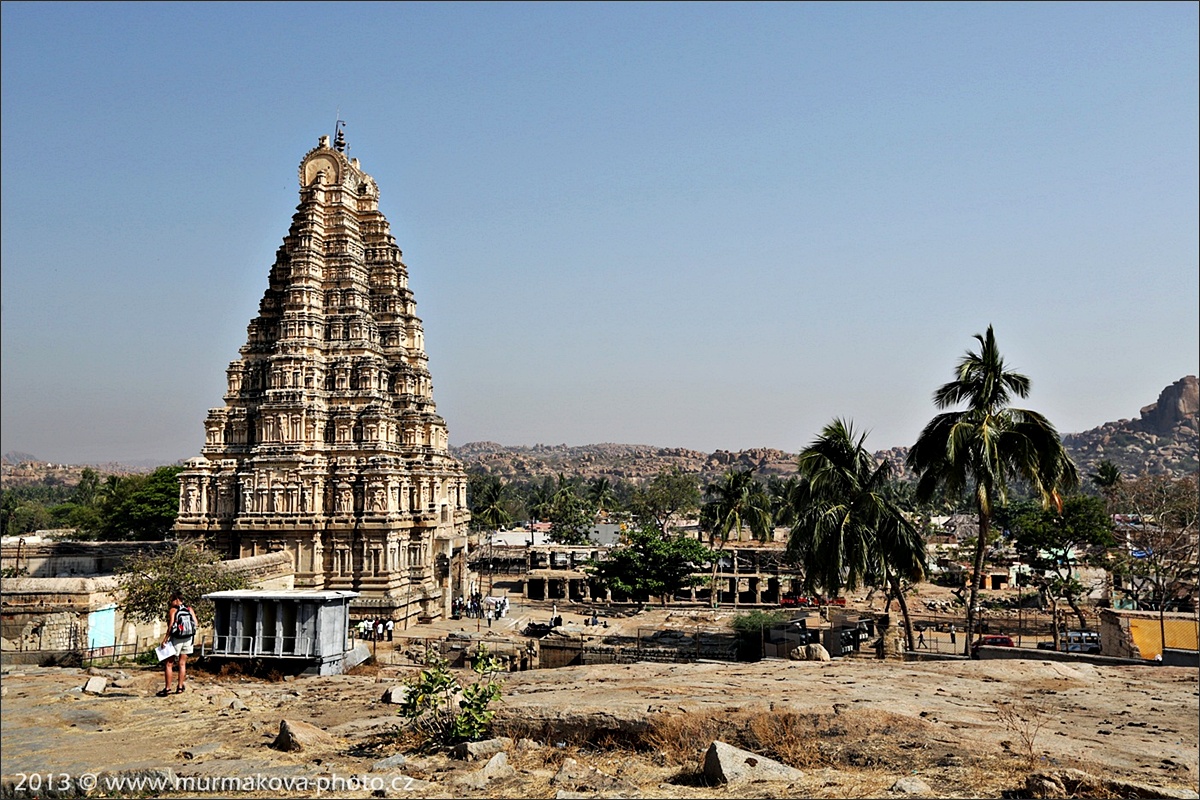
(711, 226)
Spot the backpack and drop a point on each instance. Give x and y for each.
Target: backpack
(185, 623)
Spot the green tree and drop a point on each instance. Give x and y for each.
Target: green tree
(26, 517)
(87, 491)
(733, 503)
(539, 498)
(140, 507)
(664, 498)
(145, 582)
(571, 515)
(1054, 544)
(785, 494)
(85, 519)
(652, 563)
(1107, 478)
(601, 495)
(980, 449)
(489, 499)
(847, 530)
(751, 628)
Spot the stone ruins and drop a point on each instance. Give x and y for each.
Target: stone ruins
(329, 446)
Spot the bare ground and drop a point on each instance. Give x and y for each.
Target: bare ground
(967, 728)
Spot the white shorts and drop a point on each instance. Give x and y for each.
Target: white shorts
(182, 647)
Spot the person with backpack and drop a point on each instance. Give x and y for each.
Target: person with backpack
(181, 630)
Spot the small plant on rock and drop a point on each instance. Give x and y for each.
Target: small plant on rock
(1025, 720)
(443, 711)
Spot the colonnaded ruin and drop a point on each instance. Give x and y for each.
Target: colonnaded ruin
(329, 446)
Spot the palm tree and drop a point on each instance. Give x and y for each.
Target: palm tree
(539, 498)
(491, 505)
(847, 530)
(784, 494)
(981, 448)
(734, 502)
(600, 493)
(1107, 478)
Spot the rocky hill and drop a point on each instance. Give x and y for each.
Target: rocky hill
(629, 462)
(1165, 439)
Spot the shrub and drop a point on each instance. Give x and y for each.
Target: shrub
(442, 711)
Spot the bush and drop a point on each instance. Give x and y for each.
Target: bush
(442, 711)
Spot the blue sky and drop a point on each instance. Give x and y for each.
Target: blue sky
(695, 225)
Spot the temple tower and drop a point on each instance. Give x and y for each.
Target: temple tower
(329, 445)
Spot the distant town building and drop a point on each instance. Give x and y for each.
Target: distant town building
(329, 446)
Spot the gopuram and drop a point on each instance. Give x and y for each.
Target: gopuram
(329, 446)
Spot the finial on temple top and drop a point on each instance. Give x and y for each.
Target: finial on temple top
(339, 141)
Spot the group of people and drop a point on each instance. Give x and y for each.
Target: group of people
(479, 607)
(374, 630)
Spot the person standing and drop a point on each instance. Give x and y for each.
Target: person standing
(181, 630)
(390, 627)
(951, 633)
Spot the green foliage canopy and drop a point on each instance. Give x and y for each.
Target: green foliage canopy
(140, 507)
(983, 447)
(443, 710)
(670, 493)
(652, 563)
(146, 581)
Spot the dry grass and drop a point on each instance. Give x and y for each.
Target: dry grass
(788, 737)
(850, 739)
(1025, 720)
(852, 754)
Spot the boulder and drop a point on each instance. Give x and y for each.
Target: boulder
(477, 751)
(95, 685)
(724, 763)
(496, 768)
(395, 695)
(911, 785)
(810, 652)
(295, 736)
(390, 763)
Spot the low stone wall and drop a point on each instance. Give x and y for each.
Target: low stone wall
(273, 571)
(73, 559)
(1029, 654)
(51, 615)
(568, 652)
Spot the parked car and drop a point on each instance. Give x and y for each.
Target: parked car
(1075, 642)
(992, 640)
